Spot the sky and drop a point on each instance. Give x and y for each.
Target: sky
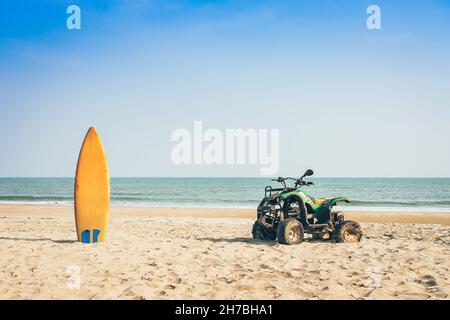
(348, 101)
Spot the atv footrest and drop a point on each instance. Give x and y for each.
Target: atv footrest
(318, 226)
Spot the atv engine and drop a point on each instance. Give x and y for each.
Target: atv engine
(269, 212)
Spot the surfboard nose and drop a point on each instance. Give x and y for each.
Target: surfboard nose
(92, 130)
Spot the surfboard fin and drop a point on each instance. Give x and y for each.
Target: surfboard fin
(86, 236)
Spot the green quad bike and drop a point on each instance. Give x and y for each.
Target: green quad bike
(287, 213)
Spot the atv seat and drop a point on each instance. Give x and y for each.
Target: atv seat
(319, 201)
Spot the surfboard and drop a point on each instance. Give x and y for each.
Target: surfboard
(91, 190)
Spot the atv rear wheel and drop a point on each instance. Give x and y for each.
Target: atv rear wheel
(348, 231)
(262, 233)
(290, 231)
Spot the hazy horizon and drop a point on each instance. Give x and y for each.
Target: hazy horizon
(231, 177)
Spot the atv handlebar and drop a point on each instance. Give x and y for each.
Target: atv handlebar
(298, 182)
(282, 181)
(303, 183)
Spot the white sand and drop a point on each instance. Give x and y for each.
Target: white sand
(215, 258)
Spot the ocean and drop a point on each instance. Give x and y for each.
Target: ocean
(399, 194)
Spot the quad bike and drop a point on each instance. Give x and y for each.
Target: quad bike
(287, 213)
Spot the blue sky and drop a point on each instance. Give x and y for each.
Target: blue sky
(348, 101)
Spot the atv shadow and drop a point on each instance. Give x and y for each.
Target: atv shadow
(259, 242)
(240, 240)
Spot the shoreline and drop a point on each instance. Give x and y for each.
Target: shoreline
(62, 210)
(206, 206)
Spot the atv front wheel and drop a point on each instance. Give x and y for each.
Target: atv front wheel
(290, 231)
(262, 233)
(348, 231)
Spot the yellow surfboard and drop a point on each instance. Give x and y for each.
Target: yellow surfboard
(91, 190)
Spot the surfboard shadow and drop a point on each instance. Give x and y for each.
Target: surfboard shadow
(38, 239)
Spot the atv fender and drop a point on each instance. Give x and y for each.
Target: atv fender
(303, 211)
(333, 201)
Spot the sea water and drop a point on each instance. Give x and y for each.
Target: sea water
(399, 194)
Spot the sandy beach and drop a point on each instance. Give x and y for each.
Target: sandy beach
(169, 253)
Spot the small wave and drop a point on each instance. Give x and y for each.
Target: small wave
(215, 201)
(419, 203)
(35, 198)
